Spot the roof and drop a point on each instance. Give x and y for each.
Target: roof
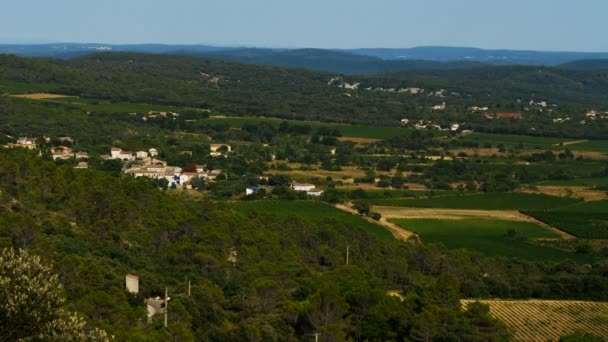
(115, 149)
(132, 276)
(302, 184)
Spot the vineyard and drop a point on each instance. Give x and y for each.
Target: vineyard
(538, 320)
(584, 220)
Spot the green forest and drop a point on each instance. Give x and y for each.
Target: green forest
(288, 279)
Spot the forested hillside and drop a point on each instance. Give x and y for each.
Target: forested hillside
(254, 277)
(239, 89)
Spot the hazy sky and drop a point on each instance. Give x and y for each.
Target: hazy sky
(513, 24)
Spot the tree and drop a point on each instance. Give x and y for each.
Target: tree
(362, 207)
(31, 301)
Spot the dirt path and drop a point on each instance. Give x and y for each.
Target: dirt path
(568, 143)
(398, 232)
(40, 96)
(463, 214)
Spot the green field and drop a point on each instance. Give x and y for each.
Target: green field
(354, 131)
(578, 182)
(584, 220)
(488, 237)
(11, 87)
(485, 201)
(310, 211)
(531, 142)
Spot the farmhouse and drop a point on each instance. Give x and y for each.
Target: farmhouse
(141, 154)
(439, 107)
(302, 186)
(61, 152)
(405, 121)
(314, 192)
(29, 143)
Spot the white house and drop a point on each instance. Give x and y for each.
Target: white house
(454, 127)
(141, 154)
(302, 186)
(82, 165)
(314, 192)
(114, 152)
(251, 190)
(185, 177)
(405, 121)
(81, 155)
(61, 152)
(153, 152)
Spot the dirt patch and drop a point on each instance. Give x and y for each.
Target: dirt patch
(41, 96)
(463, 214)
(398, 232)
(582, 192)
(360, 141)
(568, 143)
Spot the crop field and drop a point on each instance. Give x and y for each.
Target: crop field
(530, 142)
(310, 211)
(544, 320)
(584, 220)
(355, 131)
(489, 237)
(486, 201)
(579, 182)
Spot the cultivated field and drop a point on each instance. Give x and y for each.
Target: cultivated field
(538, 320)
(488, 236)
(485, 201)
(584, 220)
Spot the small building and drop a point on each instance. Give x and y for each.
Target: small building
(81, 155)
(252, 190)
(153, 152)
(61, 152)
(454, 127)
(141, 154)
(314, 192)
(439, 107)
(132, 283)
(115, 152)
(82, 165)
(333, 151)
(125, 155)
(186, 177)
(27, 142)
(405, 121)
(302, 186)
(155, 306)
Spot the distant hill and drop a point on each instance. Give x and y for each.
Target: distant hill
(340, 62)
(501, 57)
(346, 61)
(589, 64)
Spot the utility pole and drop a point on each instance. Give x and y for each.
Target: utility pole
(316, 335)
(166, 306)
(347, 253)
(189, 288)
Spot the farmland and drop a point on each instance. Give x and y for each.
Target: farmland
(489, 201)
(584, 220)
(489, 237)
(538, 320)
(313, 211)
(537, 143)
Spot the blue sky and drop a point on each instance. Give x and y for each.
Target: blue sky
(513, 24)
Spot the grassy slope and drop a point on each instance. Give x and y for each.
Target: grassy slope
(488, 237)
(314, 211)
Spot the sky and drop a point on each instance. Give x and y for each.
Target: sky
(555, 25)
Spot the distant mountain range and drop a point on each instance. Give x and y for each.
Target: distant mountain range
(355, 61)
